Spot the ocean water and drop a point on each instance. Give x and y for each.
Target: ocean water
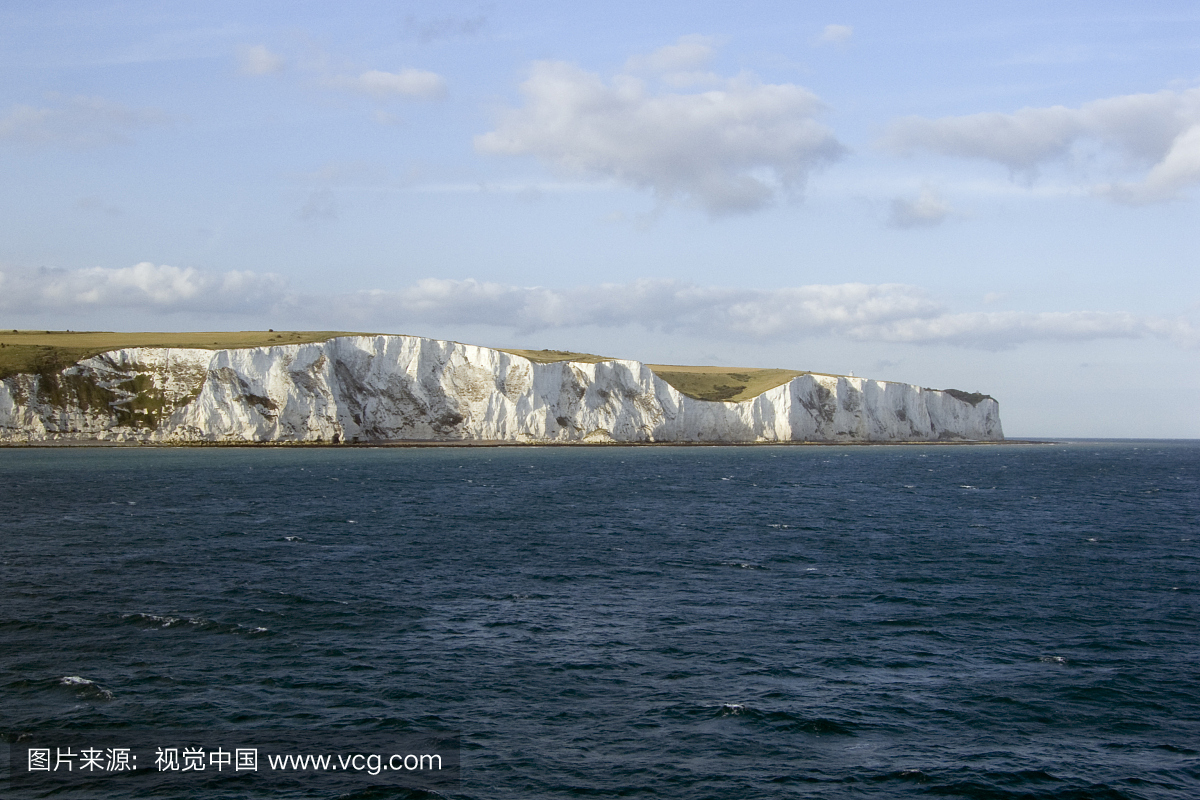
(1012, 621)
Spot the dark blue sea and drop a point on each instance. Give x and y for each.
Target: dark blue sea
(1001, 622)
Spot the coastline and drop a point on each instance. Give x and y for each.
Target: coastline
(420, 443)
(408, 391)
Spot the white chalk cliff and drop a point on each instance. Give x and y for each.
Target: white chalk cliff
(398, 388)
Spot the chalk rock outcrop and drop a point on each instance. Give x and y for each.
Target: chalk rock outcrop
(398, 388)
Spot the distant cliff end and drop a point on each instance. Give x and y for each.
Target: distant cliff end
(404, 388)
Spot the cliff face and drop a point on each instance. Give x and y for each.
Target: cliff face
(394, 388)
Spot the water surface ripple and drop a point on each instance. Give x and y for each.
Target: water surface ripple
(730, 622)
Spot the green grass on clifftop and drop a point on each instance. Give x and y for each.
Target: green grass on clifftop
(41, 352)
(729, 384)
(732, 384)
(552, 356)
(49, 352)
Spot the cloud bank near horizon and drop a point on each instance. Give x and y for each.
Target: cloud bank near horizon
(893, 313)
(144, 287)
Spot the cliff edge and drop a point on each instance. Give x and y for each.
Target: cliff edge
(405, 388)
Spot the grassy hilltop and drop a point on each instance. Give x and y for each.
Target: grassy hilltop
(48, 352)
(729, 384)
(733, 384)
(39, 352)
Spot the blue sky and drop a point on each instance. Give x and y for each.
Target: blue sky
(997, 198)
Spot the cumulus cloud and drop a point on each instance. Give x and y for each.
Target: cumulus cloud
(417, 83)
(1160, 131)
(76, 122)
(258, 60)
(687, 54)
(853, 311)
(144, 286)
(836, 34)
(733, 148)
(1178, 169)
(925, 210)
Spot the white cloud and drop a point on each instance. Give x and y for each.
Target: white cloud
(851, 311)
(1178, 169)
(258, 60)
(655, 304)
(687, 54)
(734, 148)
(76, 122)
(1000, 329)
(143, 286)
(925, 210)
(405, 83)
(836, 34)
(1160, 131)
(855, 311)
(1020, 141)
